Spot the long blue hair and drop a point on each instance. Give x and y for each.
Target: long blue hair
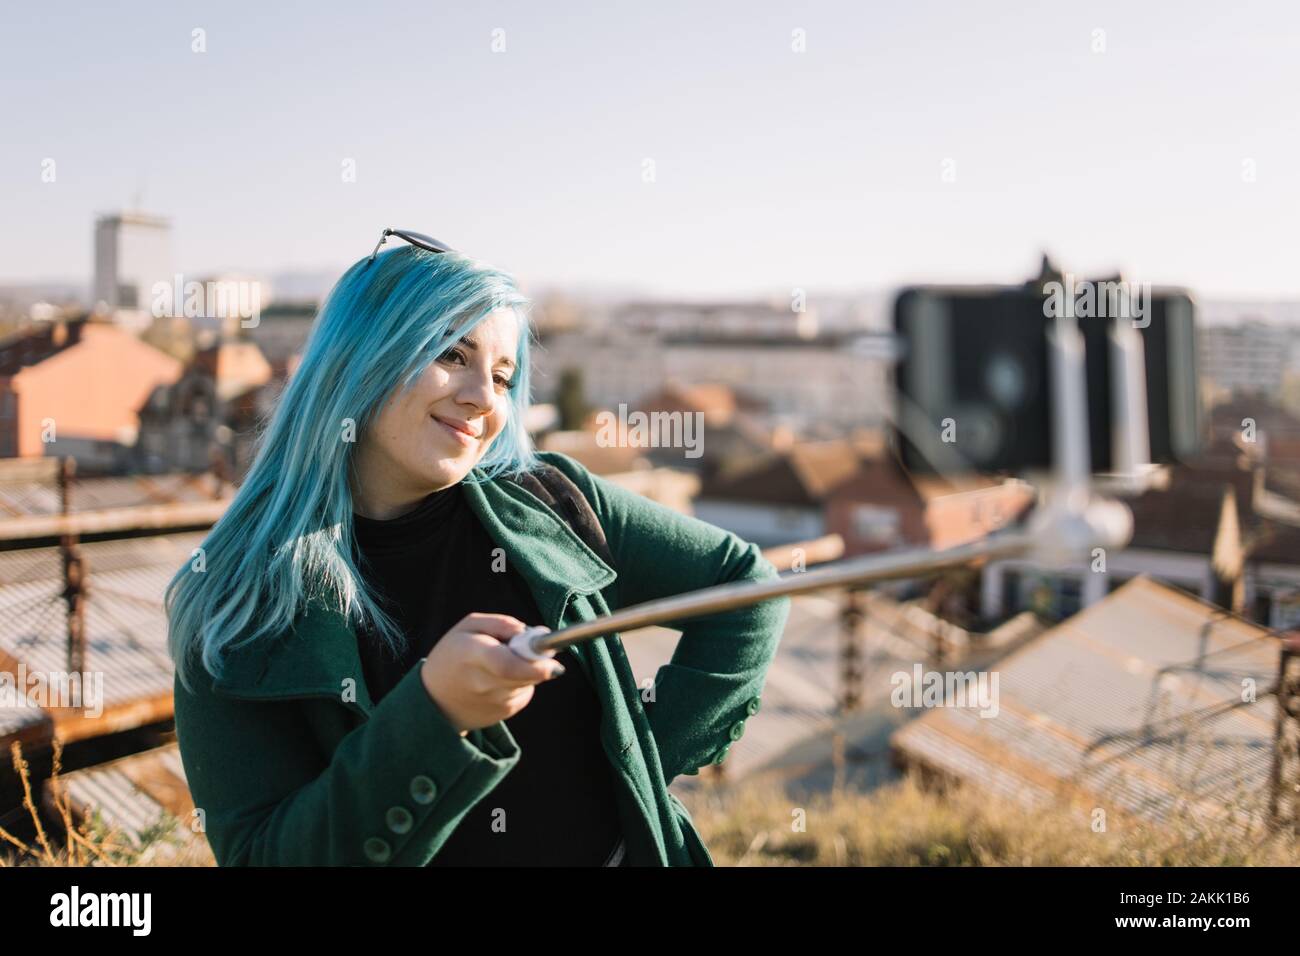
(286, 538)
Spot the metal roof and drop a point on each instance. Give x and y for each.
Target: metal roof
(134, 793)
(28, 498)
(126, 626)
(1129, 703)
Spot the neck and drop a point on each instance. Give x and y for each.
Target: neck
(382, 498)
(385, 508)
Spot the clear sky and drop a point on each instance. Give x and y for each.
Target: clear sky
(772, 169)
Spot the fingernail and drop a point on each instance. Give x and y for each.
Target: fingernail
(556, 671)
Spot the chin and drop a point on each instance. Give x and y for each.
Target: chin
(454, 469)
(450, 471)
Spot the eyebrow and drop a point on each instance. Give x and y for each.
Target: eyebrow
(473, 347)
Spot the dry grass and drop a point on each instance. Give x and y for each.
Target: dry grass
(755, 824)
(89, 842)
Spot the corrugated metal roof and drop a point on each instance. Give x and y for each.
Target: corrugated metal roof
(21, 499)
(135, 793)
(126, 626)
(1127, 702)
(15, 719)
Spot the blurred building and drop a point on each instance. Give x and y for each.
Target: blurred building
(282, 333)
(780, 496)
(735, 320)
(880, 507)
(226, 303)
(132, 252)
(1257, 425)
(208, 417)
(1225, 527)
(74, 388)
(1253, 357)
(821, 387)
(726, 425)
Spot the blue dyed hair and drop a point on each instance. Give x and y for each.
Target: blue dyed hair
(286, 538)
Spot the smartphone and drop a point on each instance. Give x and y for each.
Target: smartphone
(973, 384)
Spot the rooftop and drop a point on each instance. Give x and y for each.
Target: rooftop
(1135, 703)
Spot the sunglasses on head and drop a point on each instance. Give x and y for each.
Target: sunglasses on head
(418, 239)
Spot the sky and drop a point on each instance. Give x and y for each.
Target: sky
(679, 148)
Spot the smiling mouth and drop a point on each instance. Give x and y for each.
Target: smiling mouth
(453, 429)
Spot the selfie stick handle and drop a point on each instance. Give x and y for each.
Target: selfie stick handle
(1053, 534)
(524, 644)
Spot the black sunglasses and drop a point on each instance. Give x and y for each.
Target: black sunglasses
(414, 238)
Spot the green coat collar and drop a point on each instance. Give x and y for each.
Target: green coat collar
(320, 654)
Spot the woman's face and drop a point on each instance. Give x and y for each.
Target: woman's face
(430, 436)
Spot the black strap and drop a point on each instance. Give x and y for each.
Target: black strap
(566, 499)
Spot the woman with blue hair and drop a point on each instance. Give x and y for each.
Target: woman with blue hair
(344, 689)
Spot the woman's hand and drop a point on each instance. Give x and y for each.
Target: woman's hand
(475, 679)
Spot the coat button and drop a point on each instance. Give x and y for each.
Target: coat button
(737, 730)
(378, 850)
(753, 705)
(399, 819)
(721, 755)
(423, 789)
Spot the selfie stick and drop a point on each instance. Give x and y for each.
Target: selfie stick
(1069, 524)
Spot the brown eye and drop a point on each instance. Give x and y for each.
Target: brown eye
(506, 384)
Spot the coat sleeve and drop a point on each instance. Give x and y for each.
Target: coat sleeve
(391, 793)
(714, 680)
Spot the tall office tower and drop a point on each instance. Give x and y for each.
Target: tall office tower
(132, 252)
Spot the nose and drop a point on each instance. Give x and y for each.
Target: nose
(476, 388)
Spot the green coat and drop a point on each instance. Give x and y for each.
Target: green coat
(292, 764)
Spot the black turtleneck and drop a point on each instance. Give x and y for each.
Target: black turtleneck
(430, 568)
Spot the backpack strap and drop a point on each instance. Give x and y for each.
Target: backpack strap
(555, 489)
